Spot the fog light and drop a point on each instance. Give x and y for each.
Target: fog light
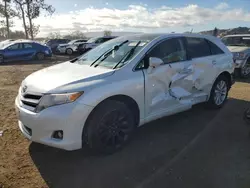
(58, 135)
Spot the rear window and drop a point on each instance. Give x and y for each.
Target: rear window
(215, 50)
(197, 47)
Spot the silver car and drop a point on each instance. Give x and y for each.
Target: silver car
(239, 45)
(70, 47)
(101, 97)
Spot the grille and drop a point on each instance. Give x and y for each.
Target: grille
(30, 101)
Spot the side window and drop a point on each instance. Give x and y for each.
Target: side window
(106, 39)
(170, 51)
(197, 47)
(100, 40)
(215, 50)
(13, 47)
(27, 46)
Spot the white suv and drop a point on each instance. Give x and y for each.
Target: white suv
(239, 45)
(100, 98)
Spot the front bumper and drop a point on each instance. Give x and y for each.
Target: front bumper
(61, 50)
(239, 63)
(39, 127)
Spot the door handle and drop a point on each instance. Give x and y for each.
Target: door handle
(186, 71)
(214, 62)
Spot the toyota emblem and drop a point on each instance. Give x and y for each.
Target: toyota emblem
(24, 89)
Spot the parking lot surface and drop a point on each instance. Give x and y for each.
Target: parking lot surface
(197, 148)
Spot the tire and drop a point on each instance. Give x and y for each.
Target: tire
(40, 56)
(69, 51)
(245, 71)
(246, 116)
(109, 127)
(221, 87)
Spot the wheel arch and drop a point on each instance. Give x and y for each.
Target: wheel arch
(223, 73)
(228, 76)
(127, 100)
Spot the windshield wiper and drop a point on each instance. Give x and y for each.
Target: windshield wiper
(107, 53)
(128, 55)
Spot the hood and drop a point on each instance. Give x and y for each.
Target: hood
(67, 75)
(238, 48)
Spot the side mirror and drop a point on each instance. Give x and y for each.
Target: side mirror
(153, 63)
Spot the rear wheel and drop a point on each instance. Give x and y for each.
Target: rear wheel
(40, 56)
(69, 51)
(110, 127)
(219, 92)
(245, 70)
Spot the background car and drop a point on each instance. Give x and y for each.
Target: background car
(53, 43)
(70, 47)
(5, 42)
(24, 50)
(92, 43)
(239, 45)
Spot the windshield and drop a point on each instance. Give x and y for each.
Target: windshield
(236, 41)
(72, 41)
(5, 44)
(92, 40)
(116, 56)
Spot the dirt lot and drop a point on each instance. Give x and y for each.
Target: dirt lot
(197, 148)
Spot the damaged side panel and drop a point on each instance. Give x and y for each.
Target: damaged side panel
(177, 85)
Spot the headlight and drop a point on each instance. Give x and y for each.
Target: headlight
(57, 99)
(239, 55)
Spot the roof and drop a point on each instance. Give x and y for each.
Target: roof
(238, 35)
(152, 36)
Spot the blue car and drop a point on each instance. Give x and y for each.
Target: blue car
(24, 50)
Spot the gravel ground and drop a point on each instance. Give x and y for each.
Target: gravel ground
(197, 148)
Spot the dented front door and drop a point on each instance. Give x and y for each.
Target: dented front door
(166, 88)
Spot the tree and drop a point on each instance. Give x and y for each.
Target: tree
(54, 35)
(107, 33)
(7, 12)
(215, 32)
(75, 35)
(21, 14)
(33, 10)
(17, 34)
(78, 35)
(34, 31)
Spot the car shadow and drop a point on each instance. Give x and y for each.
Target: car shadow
(153, 145)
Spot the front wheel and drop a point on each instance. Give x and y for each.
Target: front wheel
(110, 127)
(40, 56)
(245, 70)
(69, 51)
(219, 92)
